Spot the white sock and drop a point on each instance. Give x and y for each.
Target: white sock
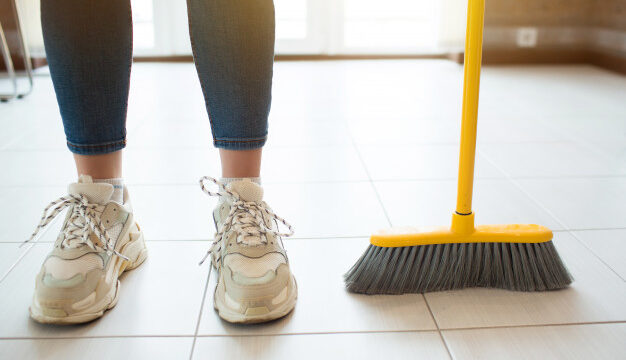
(118, 188)
(228, 180)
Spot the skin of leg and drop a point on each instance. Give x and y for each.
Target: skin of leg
(241, 163)
(104, 166)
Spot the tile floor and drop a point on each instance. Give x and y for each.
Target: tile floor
(354, 146)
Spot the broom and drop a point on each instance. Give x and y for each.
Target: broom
(518, 257)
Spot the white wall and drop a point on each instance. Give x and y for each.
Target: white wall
(31, 23)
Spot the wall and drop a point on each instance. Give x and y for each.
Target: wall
(567, 31)
(30, 16)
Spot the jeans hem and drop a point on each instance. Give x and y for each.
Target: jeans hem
(96, 149)
(243, 144)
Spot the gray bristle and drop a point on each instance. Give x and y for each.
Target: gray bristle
(426, 268)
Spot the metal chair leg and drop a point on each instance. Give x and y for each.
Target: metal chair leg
(23, 49)
(6, 55)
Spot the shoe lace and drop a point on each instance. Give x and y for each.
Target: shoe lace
(83, 220)
(246, 218)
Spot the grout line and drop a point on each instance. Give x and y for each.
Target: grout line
(323, 333)
(369, 176)
(31, 245)
(577, 138)
(557, 219)
(504, 177)
(364, 236)
(329, 237)
(582, 323)
(190, 183)
(432, 315)
(93, 337)
(595, 229)
(206, 287)
(584, 244)
(469, 328)
(19, 258)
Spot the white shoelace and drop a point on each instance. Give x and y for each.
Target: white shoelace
(84, 219)
(246, 218)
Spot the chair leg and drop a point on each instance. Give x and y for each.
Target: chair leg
(28, 68)
(6, 55)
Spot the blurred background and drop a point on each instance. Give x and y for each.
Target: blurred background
(532, 31)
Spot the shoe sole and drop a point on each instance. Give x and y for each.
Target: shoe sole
(235, 317)
(134, 249)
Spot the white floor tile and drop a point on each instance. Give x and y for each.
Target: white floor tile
(29, 168)
(420, 345)
(415, 162)
(22, 208)
(173, 212)
(323, 303)
(327, 209)
(281, 164)
(402, 89)
(162, 166)
(557, 159)
(598, 341)
(582, 203)
(401, 131)
(162, 135)
(300, 133)
(21, 115)
(584, 91)
(9, 255)
(596, 295)
(13, 131)
(432, 202)
(609, 245)
(97, 348)
(48, 136)
(296, 94)
(613, 149)
(324, 163)
(161, 297)
(595, 129)
(502, 124)
(191, 210)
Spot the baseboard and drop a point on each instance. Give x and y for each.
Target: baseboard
(608, 60)
(303, 57)
(18, 63)
(605, 59)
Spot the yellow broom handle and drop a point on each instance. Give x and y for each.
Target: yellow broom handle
(471, 80)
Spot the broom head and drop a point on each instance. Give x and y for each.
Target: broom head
(518, 257)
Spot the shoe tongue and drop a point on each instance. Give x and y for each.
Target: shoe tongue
(97, 193)
(247, 190)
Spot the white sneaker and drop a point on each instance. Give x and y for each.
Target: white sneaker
(255, 283)
(100, 239)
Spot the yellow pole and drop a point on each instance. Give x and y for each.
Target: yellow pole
(471, 80)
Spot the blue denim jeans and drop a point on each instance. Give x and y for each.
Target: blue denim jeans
(89, 50)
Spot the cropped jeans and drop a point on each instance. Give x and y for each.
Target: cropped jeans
(89, 50)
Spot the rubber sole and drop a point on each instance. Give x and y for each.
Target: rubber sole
(234, 317)
(135, 250)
